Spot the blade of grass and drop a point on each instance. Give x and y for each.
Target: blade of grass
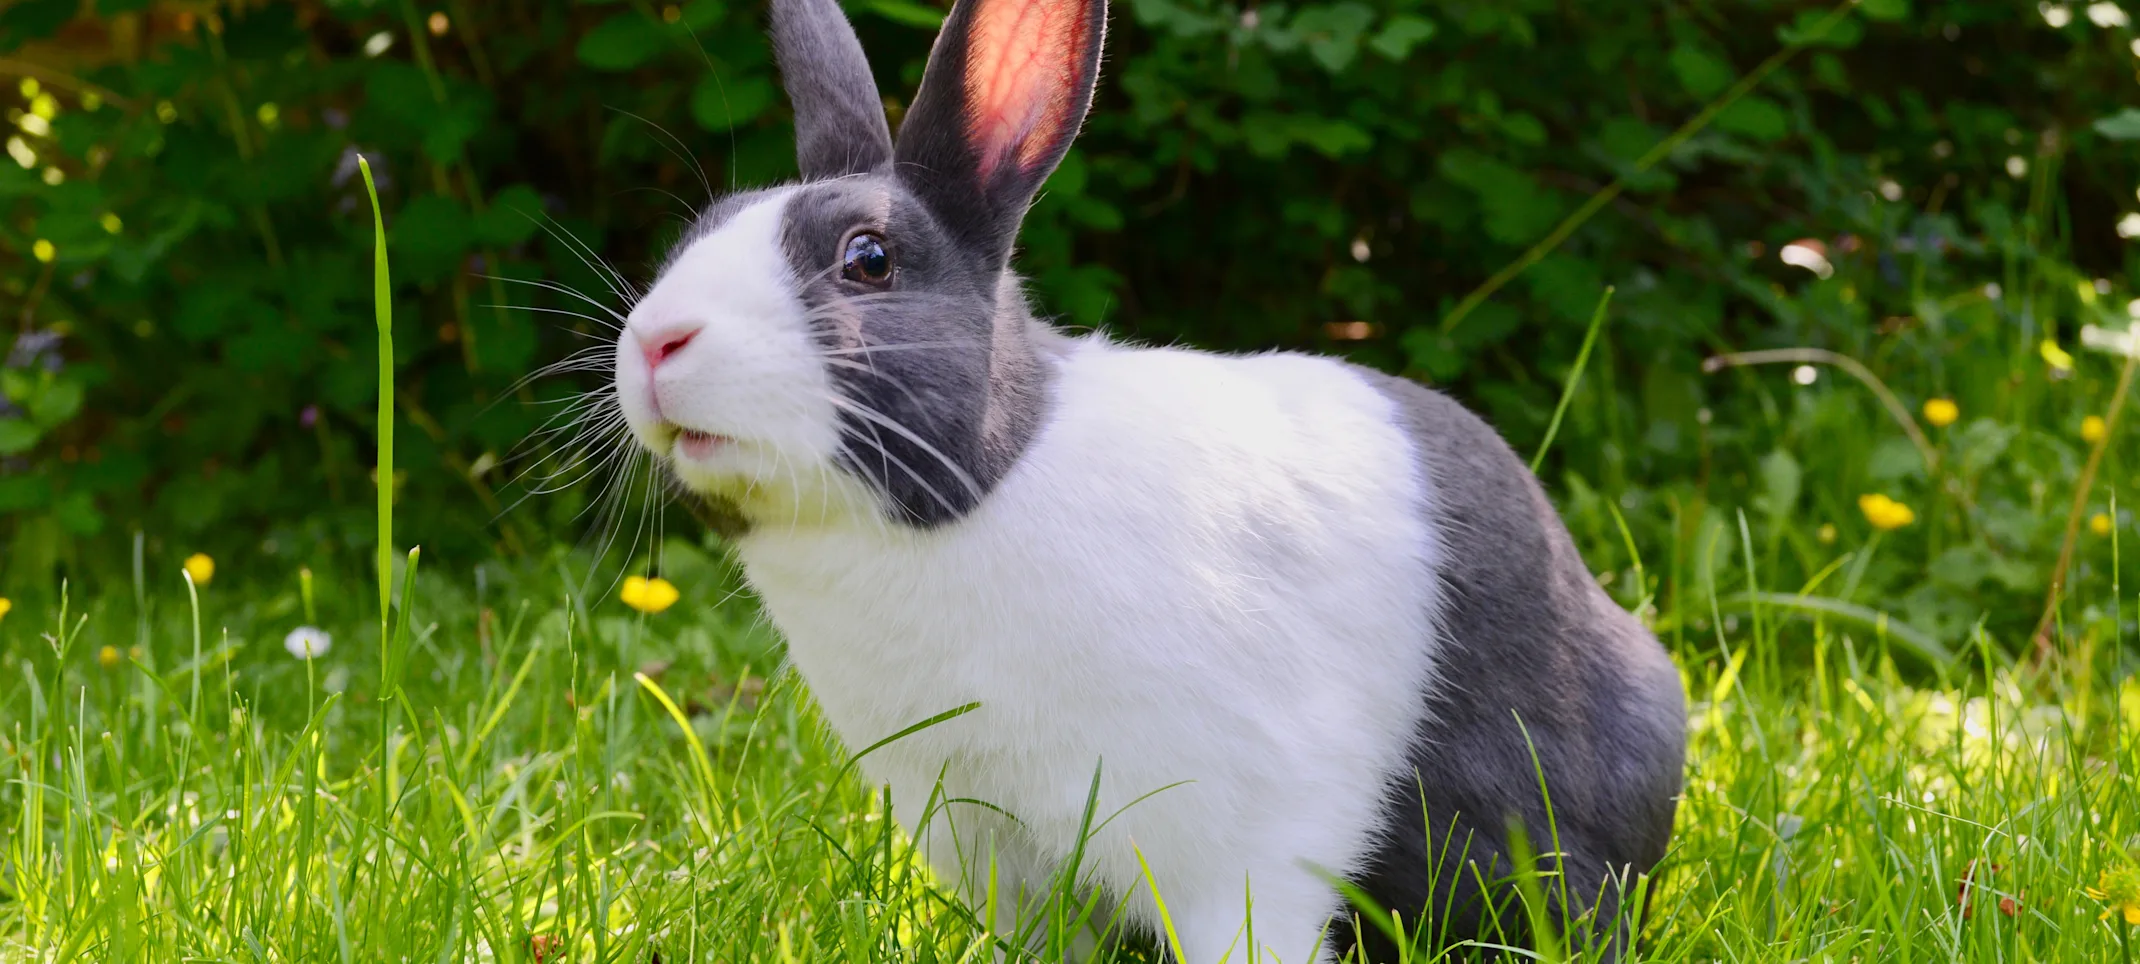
(1575, 377)
(383, 307)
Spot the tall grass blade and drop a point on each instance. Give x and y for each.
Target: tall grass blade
(1575, 377)
(383, 307)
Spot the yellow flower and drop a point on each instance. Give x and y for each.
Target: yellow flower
(1826, 535)
(43, 251)
(201, 568)
(2093, 429)
(2120, 889)
(648, 595)
(2055, 356)
(2099, 524)
(108, 657)
(5, 605)
(1884, 513)
(1942, 412)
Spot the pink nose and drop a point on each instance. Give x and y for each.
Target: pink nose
(659, 345)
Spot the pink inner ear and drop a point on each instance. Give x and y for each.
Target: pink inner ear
(1022, 64)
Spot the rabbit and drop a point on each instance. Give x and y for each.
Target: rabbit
(1233, 629)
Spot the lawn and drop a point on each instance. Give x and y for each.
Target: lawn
(559, 777)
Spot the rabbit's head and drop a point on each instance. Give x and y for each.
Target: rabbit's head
(855, 346)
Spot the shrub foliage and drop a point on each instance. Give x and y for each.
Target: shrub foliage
(183, 247)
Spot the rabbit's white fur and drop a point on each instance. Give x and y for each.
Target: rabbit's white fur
(1254, 525)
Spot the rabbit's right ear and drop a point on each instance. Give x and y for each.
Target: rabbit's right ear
(839, 117)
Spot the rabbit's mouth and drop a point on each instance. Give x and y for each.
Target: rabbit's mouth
(699, 446)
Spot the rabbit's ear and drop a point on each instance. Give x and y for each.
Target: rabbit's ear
(1006, 88)
(839, 118)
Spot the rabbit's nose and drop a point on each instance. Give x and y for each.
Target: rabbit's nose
(663, 343)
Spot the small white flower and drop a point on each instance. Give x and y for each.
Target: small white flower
(2055, 14)
(2107, 15)
(1808, 254)
(2129, 226)
(306, 642)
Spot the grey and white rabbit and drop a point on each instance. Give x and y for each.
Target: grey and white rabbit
(1305, 620)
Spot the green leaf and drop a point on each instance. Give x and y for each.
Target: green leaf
(1894, 458)
(911, 14)
(1434, 353)
(1517, 209)
(1781, 482)
(452, 127)
(429, 238)
(1756, 117)
(505, 340)
(57, 403)
(1403, 32)
(719, 104)
(1523, 128)
(1884, 9)
(401, 92)
(78, 513)
(2121, 126)
(703, 14)
(17, 435)
(1336, 138)
(513, 216)
(622, 42)
(1807, 30)
(1332, 32)
(1702, 75)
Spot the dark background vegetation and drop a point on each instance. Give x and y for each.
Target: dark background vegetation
(185, 271)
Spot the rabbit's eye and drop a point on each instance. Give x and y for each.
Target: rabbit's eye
(866, 260)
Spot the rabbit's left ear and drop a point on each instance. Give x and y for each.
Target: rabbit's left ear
(839, 118)
(1005, 91)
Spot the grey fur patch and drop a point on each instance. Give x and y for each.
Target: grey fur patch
(1526, 633)
(940, 385)
(839, 118)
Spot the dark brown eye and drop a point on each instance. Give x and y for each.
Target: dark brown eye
(866, 260)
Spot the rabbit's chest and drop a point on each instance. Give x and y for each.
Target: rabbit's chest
(889, 641)
(1236, 601)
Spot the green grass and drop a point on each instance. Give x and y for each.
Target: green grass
(532, 789)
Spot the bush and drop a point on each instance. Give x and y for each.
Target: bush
(186, 242)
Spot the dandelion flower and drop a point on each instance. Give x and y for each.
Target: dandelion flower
(2093, 429)
(1942, 412)
(1884, 513)
(2099, 524)
(306, 642)
(201, 568)
(648, 595)
(5, 605)
(2120, 890)
(108, 657)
